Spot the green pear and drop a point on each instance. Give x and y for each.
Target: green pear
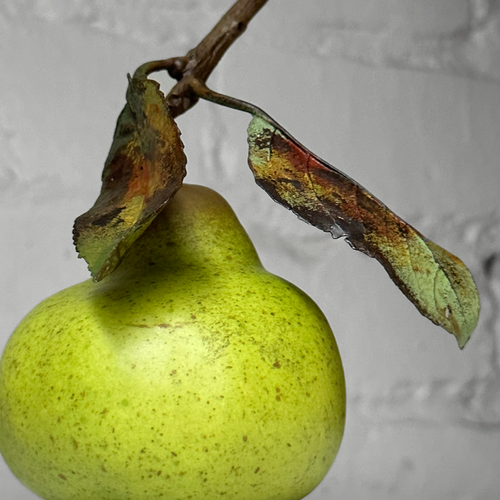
(190, 372)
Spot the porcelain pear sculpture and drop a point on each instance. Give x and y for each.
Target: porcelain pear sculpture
(190, 372)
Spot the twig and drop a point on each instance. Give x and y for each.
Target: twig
(200, 62)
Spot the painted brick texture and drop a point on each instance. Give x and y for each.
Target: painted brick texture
(403, 96)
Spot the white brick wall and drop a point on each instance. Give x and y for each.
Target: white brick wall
(403, 96)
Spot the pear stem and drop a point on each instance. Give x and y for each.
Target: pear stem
(199, 62)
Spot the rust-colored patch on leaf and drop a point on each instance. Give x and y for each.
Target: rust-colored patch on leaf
(437, 282)
(144, 169)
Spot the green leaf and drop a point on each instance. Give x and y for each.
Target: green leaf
(434, 280)
(144, 169)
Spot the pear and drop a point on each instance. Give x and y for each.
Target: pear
(190, 372)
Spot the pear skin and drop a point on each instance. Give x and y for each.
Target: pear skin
(190, 372)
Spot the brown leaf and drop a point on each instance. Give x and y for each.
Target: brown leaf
(437, 282)
(144, 169)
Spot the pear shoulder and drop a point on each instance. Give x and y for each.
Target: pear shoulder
(197, 228)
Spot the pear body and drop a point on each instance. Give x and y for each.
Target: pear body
(190, 372)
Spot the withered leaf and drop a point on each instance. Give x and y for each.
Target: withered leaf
(144, 169)
(437, 282)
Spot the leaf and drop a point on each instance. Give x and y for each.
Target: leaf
(144, 169)
(434, 280)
